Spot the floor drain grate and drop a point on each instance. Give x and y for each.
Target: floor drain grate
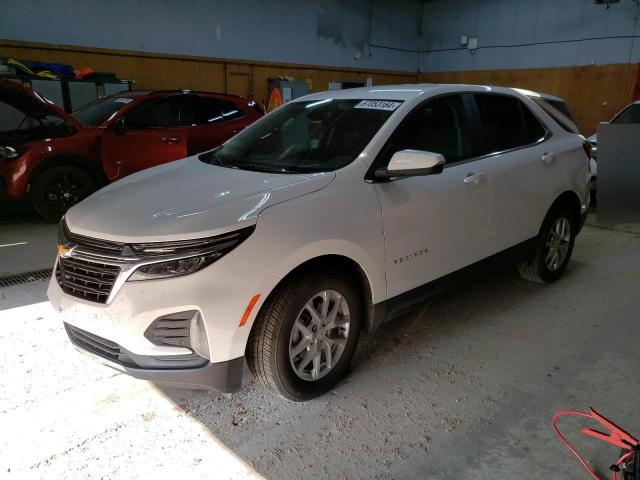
(20, 278)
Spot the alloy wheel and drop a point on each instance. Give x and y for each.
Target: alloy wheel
(319, 335)
(557, 245)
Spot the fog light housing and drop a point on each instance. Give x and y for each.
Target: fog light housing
(198, 337)
(182, 329)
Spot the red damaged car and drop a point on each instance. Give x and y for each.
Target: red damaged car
(55, 159)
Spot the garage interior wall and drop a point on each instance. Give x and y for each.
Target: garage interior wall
(587, 54)
(231, 47)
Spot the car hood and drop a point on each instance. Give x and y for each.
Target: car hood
(184, 200)
(31, 103)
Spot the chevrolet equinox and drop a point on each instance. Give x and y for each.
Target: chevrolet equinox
(327, 217)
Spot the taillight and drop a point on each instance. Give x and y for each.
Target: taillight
(587, 148)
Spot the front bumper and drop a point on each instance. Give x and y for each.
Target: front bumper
(220, 293)
(223, 377)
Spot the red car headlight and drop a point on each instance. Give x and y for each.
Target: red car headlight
(12, 153)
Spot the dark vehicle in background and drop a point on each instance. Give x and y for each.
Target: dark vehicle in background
(629, 114)
(55, 159)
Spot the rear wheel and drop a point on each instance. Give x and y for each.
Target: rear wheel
(554, 246)
(305, 337)
(58, 188)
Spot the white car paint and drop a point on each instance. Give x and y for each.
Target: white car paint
(443, 222)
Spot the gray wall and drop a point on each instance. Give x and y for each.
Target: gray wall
(516, 22)
(332, 32)
(319, 32)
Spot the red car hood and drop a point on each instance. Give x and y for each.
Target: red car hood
(31, 103)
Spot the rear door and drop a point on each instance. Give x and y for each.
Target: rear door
(215, 121)
(524, 161)
(434, 224)
(155, 132)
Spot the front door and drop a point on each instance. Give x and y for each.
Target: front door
(434, 224)
(152, 134)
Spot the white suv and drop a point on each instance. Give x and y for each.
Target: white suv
(331, 215)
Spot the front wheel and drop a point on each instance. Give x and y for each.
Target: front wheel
(306, 335)
(554, 246)
(58, 188)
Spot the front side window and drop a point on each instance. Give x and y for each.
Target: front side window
(506, 123)
(305, 137)
(167, 112)
(439, 126)
(631, 114)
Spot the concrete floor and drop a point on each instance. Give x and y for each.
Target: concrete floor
(27, 243)
(463, 389)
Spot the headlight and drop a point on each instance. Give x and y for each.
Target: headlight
(11, 153)
(173, 268)
(175, 259)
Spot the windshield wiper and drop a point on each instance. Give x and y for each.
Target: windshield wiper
(259, 167)
(211, 157)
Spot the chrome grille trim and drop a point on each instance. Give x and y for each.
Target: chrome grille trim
(87, 280)
(97, 269)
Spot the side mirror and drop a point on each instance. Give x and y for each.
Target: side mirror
(119, 126)
(410, 163)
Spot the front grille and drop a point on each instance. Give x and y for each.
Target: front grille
(98, 345)
(89, 280)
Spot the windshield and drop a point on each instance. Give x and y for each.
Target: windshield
(305, 137)
(631, 114)
(100, 110)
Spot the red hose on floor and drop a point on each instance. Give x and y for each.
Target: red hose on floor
(616, 436)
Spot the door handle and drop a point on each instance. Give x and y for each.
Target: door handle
(170, 140)
(548, 158)
(474, 179)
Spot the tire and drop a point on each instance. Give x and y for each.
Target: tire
(541, 267)
(271, 351)
(58, 188)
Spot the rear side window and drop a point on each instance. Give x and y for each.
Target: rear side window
(230, 110)
(166, 112)
(439, 126)
(559, 112)
(506, 123)
(207, 111)
(212, 110)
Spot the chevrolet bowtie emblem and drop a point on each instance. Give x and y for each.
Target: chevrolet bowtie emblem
(65, 250)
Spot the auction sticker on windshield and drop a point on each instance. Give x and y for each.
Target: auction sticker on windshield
(378, 105)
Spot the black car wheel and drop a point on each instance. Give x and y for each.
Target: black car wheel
(58, 188)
